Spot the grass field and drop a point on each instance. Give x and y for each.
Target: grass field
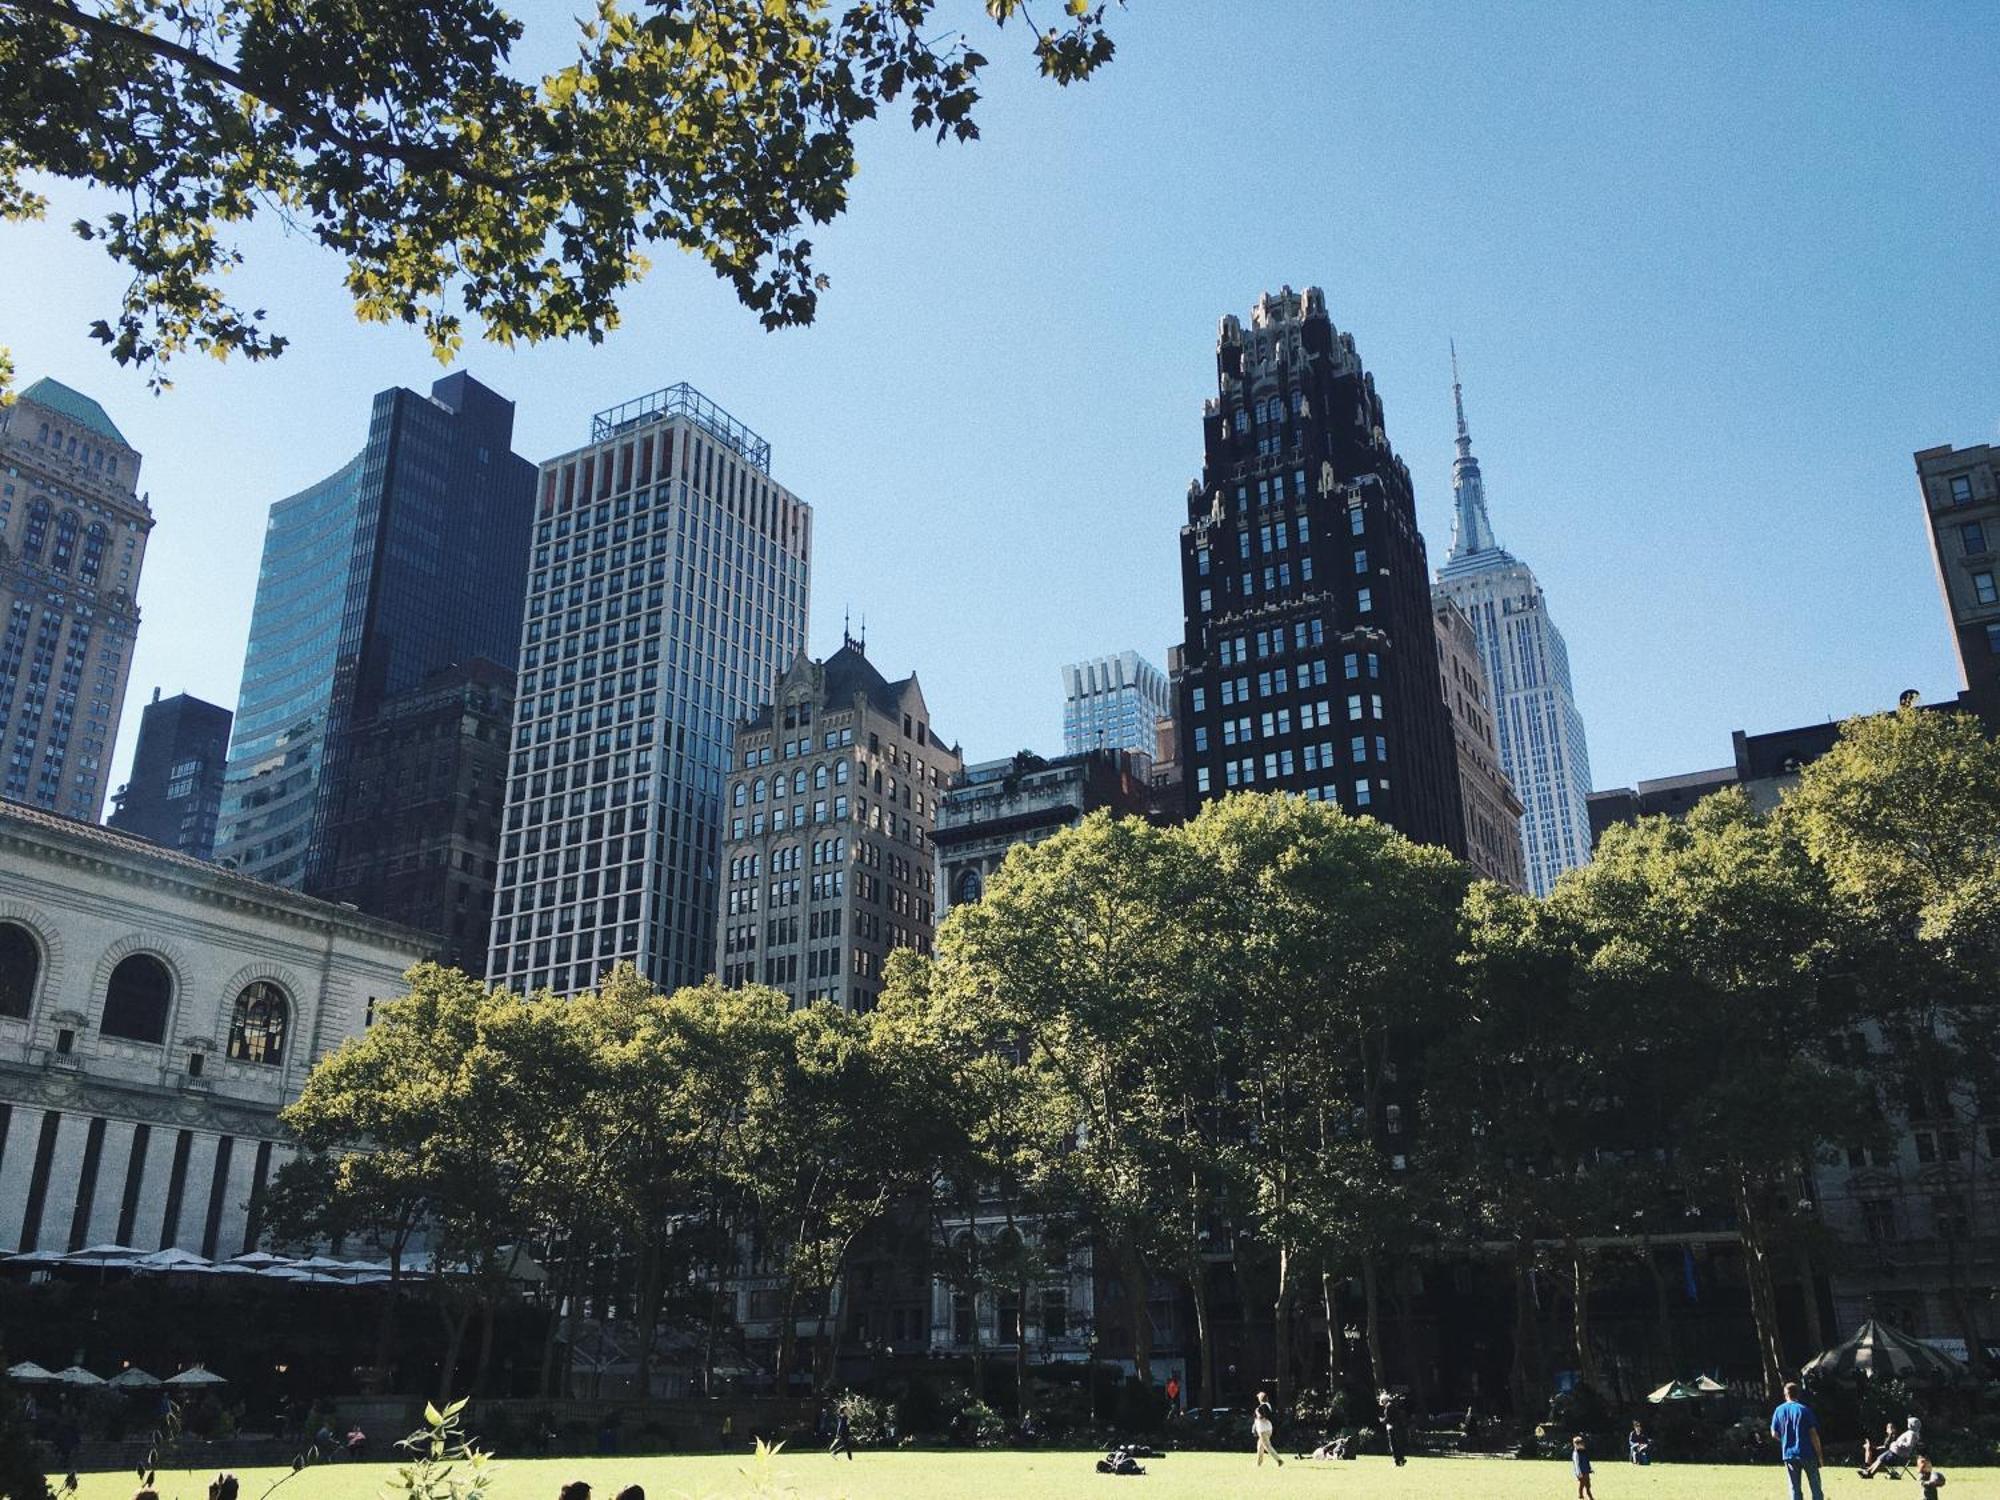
(808, 1474)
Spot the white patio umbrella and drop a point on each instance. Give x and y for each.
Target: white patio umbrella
(195, 1375)
(27, 1372)
(111, 1252)
(78, 1375)
(37, 1258)
(173, 1259)
(259, 1260)
(132, 1378)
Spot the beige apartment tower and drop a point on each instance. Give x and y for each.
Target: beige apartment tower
(1492, 810)
(826, 856)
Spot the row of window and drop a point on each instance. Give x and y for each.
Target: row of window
(139, 996)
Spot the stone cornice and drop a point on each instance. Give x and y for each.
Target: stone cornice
(210, 886)
(74, 1092)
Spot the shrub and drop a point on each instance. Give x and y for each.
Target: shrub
(981, 1426)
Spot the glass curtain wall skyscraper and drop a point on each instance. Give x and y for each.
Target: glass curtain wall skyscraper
(409, 560)
(1542, 746)
(1115, 703)
(668, 587)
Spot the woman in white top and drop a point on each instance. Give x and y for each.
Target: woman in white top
(1263, 1423)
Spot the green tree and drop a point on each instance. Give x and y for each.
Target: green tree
(1712, 940)
(1328, 940)
(1903, 818)
(1069, 965)
(397, 135)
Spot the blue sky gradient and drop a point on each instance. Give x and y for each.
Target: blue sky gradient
(1714, 273)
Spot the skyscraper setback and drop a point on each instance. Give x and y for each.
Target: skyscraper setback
(73, 530)
(1311, 660)
(668, 588)
(409, 560)
(1115, 703)
(1542, 747)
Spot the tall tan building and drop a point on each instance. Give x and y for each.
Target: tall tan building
(73, 532)
(1492, 810)
(826, 851)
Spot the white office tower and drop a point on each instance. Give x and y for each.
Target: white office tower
(1542, 745)
(668, 587)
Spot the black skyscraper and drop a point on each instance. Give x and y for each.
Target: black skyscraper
(1310, 663)
(176, 788)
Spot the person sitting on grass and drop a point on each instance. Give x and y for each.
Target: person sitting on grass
(1119, 1461)
(576, 1489)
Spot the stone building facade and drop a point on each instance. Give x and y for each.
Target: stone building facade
(826, 853)
(73, 529)
(1310, 661)
(1492, 811)
(156, 1012)
(1960, 488)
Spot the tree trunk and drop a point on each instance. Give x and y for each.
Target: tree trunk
(1809, 1291)
(650, 1287)
(1763, 1303)
(1204, 1328)
(1528, 1373)
(1335, 1374)
(1371, 1297)
(1281, 1313)
(1579, 1313)
(1670, 1359)
(1021, 1347)
(454, 1341)
(1136, 1289)
(489, 1310)
(788, 1336)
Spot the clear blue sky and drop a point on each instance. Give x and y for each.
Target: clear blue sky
(1715, 271)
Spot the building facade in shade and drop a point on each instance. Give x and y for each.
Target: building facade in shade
(156, 1012)
(668, 588)
(175, 794)
(1115, 703)
(1310, 664)
(409, 560)
(1492, 811)
(994, 805)
(1961, 494)
(827, 850)
(1542, 747)
(73, 529)
(413, 825)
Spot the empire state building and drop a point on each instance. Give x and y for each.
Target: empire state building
(1542, 746)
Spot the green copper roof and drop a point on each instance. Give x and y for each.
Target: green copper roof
(76, 406)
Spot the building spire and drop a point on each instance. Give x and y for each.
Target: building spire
(1471, 532)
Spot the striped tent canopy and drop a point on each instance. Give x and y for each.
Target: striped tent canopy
(1881, 1352)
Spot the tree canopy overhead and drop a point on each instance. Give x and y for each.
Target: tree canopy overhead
(395, 134)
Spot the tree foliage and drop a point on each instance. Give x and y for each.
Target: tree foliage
(399, 135)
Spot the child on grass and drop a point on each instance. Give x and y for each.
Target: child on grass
(1579, 1462)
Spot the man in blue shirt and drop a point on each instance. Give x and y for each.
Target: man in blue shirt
(1797, 1432)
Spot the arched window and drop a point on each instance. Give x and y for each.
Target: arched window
(778, 785)
(20, 967)
(757, 790)
(737, 795)
(819, 778)
(799, 782)
(257, 1028)
(840, 773)
(967, 888)
(136, 1000)
(65, 553)
(93, 552)
(36, 534)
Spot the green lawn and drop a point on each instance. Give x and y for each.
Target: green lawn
(808, 1474)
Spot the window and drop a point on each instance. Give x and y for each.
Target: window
(1878, 1219)
(1993, 639)
(1361, 559)
(1361, 794)
(20, 967)
(1983, 589)
(1364, 601)
(1973, 535)
(136, 1000)
(257, 1027)
(1961, 489)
